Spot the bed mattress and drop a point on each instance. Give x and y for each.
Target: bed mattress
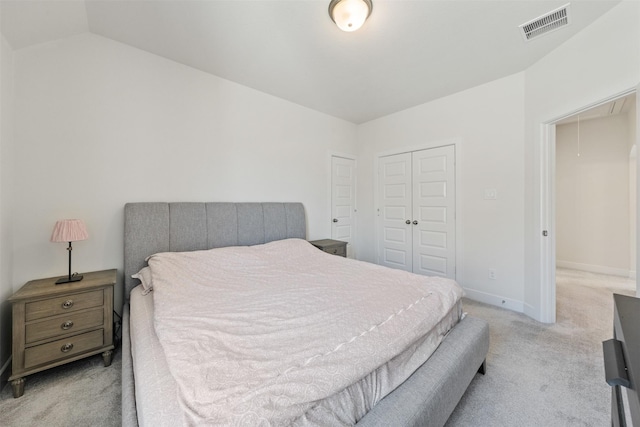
(161, 400)
(155, 388)
(156, 393)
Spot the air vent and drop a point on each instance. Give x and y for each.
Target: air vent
(617, 106)
(546, 23)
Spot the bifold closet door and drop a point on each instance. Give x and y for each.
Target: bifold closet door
(417, 211)
(434, 231)
(395, 241)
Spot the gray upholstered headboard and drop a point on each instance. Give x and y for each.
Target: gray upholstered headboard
(150, 228)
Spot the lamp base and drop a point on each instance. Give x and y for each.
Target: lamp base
(69, 279)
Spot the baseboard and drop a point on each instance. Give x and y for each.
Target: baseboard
(531, 311)
(600, 269)
(496, 300)
(632, 274)
(4, 371)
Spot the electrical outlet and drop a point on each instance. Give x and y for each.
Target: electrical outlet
(492, 274)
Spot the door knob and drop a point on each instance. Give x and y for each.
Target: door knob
(335, 219)
(415, 222)
(408, 222)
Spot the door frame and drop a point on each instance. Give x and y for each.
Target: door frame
(548, 206)
(457, 143)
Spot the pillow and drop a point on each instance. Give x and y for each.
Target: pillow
(144, 276)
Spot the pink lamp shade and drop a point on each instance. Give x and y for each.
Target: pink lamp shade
(69, 230)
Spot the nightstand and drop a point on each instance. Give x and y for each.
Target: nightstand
(57, 324)
(330, 246)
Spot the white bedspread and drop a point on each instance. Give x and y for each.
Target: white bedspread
(257, 335)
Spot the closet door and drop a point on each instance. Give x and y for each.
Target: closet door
(417, 211)
(433, 214)
(395, 237)
(343, 201)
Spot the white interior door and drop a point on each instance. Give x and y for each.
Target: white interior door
(395, 240)
(434, 208)
(343, 201)
(417, 211)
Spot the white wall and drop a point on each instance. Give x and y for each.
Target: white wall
(487, 121)
(600, 61)
(633, 187)
(6, 135)
(592, 195)
(99, 124)
(636, 185)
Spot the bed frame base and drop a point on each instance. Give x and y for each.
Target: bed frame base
(483, 368)
(429, 396)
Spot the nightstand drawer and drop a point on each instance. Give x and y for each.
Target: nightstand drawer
(337, 250)
(64, 324)
(65, 304)
(62, 349)
(330, 246)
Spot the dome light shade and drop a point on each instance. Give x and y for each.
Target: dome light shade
(349, 15)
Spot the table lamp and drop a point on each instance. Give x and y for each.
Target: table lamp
(69, 230)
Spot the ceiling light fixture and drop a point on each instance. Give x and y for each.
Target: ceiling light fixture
(349, 15)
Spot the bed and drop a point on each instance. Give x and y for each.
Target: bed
(424, 394)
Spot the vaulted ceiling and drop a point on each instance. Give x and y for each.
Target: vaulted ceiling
(409, 51)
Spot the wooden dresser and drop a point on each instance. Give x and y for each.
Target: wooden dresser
(57, 324)
(334, 247)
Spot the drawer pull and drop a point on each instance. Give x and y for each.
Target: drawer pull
(67, 325)
(67, 304)
(335, 251)
(67, 347)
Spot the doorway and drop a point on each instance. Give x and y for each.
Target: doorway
(577, 167)
(593, 182)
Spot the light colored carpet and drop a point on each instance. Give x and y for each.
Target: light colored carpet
(80, 394)
(538, 375)
(547, 375)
